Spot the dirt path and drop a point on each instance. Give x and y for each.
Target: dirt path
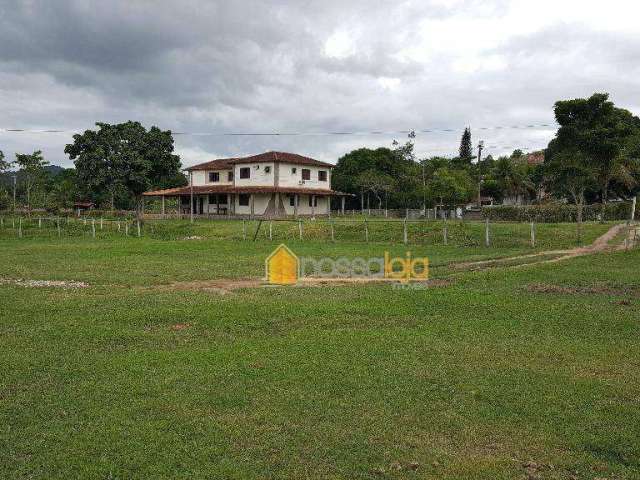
(602, 243)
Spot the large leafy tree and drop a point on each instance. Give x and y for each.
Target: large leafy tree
(598, 132)
(397, 163)
(450, 187)
(512, 177)
(377, 183)
(124, 157)
(33, 172)
(569, 174)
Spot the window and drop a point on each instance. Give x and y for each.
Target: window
(243, 198)
(219, 198)
(315, 201)
(214, 176)
(245, 172)
(322, 175)
(294, 171)
(306, 174)
(230, 176)
(292, 200)
(267, 169)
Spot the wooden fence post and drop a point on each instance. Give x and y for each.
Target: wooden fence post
(93, 228)
(633, 208)
(39, 222)
(445, 234)
(20, 227)
(333, 238)
(100, 223)
(118, 226)
(270, 229)
(486, 233)
(300, 229)
(244, 229)
(533, 235)
(138, 225)
(126, 229)
(58, 226)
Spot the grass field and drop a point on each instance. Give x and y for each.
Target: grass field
(504, 373)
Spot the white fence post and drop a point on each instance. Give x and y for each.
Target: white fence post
(486, 233)
(300, 229)
(405, 234)
(533, 235)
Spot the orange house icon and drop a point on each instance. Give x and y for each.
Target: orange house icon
(282, 266)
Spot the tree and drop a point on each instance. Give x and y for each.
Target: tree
(124, 156)
(32, 167)
(512, 177)
(450, 187)
(569, 172)
(4, 164)
(395, 163)
(377, 183)
(598, 132)
(466, 147)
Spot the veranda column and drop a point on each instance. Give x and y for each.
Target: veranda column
(252, 206)
(296, 201)
(162, 206)
(313, 205)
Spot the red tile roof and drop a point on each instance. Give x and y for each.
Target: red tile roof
(204, 189)
(282, 157)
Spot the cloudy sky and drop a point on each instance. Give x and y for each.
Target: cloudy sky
(309, 67)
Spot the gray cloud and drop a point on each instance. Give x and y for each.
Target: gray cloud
(312, 66)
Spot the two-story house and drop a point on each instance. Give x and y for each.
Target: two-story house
(270, 185)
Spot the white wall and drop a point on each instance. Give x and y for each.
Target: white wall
(260, 202)
(304, 208)
(201, 178)
(288, 179)
(258, 175)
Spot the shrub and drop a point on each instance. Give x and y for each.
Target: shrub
(556, 212)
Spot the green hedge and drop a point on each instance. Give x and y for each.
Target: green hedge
(557, 212)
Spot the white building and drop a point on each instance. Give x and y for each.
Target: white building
(270, 185)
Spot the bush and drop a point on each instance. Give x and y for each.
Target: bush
(556, 212)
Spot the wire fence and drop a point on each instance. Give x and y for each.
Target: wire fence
(455, 233)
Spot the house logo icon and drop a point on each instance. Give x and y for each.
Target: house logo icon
(282, 266)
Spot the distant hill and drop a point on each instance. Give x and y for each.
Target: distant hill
(7, 178)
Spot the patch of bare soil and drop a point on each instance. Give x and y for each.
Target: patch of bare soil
(587, 290)
(222, 286)
(43, 283)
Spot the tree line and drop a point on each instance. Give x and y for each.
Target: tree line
(594, 155)
(114, 165)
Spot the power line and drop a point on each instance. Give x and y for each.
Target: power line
(300, 134)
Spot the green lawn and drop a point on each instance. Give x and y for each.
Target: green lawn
(467, 381)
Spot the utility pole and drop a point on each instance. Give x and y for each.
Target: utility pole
(480, 147)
